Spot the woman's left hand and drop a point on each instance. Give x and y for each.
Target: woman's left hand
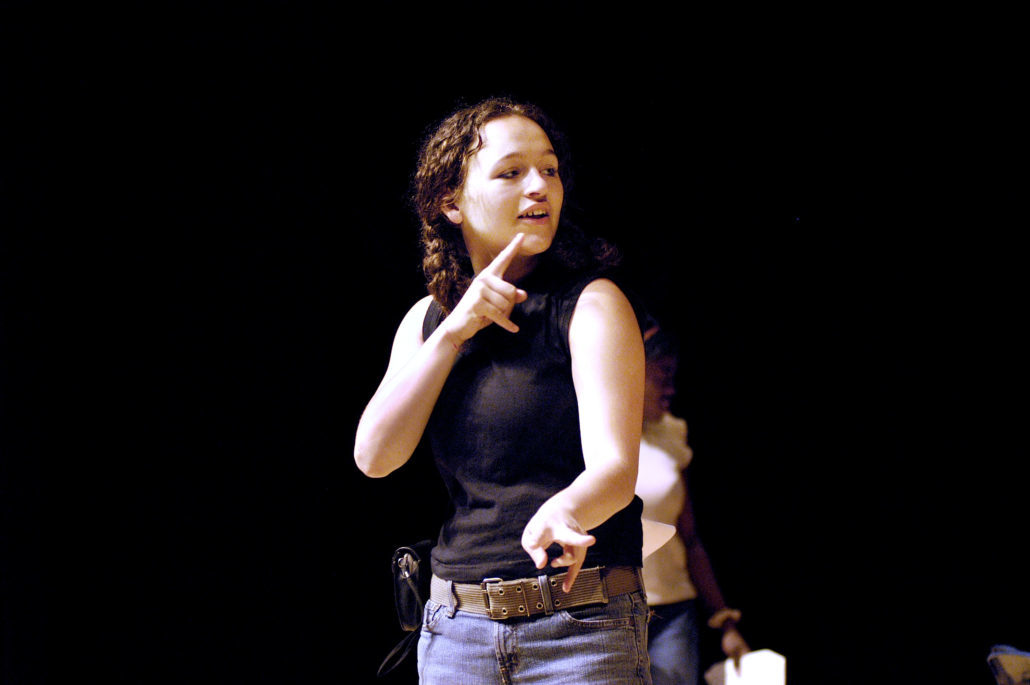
(550, 525)
(733, 645)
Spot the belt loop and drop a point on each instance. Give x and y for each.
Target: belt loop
(545, 594)
(452, 599)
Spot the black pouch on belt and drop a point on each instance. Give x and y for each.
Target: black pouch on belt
(411, 577)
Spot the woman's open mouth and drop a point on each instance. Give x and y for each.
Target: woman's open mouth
(535, 214)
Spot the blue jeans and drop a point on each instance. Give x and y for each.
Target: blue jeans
(603, 644)
(674, 644)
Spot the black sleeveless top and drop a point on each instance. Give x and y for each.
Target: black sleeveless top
(505, 437)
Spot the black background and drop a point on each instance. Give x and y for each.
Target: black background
(207, 248)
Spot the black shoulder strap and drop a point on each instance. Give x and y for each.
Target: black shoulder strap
(431, 321)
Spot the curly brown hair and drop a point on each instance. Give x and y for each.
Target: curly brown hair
(441, 172)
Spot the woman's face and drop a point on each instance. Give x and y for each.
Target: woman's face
(512, 186)
(659, 388)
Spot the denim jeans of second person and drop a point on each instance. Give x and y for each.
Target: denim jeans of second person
(674, 645)
(604, 644)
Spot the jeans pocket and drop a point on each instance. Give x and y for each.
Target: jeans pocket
(598, 617)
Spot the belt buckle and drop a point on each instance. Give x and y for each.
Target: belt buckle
(486, 598)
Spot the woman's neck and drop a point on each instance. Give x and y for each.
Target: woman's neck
(521, 268)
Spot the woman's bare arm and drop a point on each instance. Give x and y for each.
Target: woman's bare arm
(608, 372)
(396, 417)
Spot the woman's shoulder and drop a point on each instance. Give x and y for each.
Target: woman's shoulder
(426, 314)
(607, 290)
(415, 317)
(420, 308)
(602, 284)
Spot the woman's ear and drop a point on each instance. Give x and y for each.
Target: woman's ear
(451, 211)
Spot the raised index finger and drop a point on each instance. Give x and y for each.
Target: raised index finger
(503, 260)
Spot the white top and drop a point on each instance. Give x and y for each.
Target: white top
(664, 453)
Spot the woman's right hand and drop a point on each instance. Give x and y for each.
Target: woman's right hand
(393, 422)
(489, 299)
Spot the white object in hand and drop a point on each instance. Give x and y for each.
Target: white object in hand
(761, 667)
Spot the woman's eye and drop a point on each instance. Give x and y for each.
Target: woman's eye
(551, 171)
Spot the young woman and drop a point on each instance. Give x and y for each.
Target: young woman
(679, 576)
(524, 368)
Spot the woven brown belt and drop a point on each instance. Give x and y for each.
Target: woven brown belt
(502, 599)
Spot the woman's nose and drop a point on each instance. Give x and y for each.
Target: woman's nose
(536, 184)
